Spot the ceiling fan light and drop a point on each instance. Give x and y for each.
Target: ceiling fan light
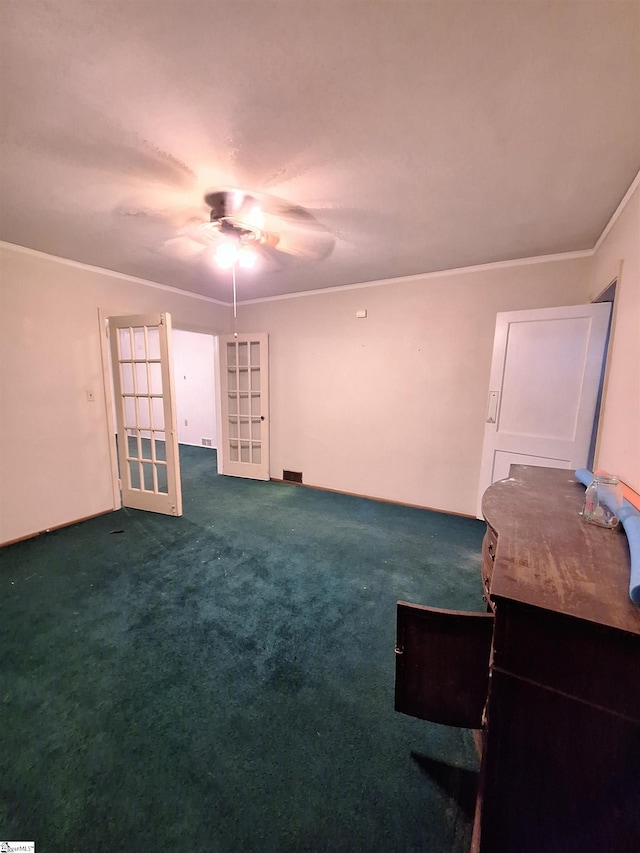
(226, 254)
(247, 257)
(254, 218)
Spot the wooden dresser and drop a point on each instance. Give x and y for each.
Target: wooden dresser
(550, 675)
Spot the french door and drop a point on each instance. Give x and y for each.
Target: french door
(145, 412)
(243, 446)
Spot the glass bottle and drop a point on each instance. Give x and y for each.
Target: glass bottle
(602, 500)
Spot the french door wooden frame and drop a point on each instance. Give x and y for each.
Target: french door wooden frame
(145, 412)
(243, 383)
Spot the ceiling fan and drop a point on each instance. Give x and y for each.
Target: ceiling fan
(244, 227)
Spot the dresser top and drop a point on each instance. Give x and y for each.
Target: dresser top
(549, 557)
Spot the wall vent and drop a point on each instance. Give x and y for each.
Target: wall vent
(292, 476)
(206, 442)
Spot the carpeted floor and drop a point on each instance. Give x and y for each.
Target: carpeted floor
(223, 681)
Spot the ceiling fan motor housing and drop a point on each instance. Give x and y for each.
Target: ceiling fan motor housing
(267, 223)
(226, 219)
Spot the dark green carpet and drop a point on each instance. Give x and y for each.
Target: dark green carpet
(224, 681)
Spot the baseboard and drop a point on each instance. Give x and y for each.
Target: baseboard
(55, 527)
(371, 498)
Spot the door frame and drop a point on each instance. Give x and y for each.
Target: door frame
(607, 294)
(109, 402)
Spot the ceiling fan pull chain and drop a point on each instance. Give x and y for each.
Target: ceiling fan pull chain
(233, 277)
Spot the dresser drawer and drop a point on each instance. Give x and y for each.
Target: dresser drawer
(589, 662)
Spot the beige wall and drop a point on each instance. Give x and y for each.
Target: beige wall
(393, 406)
(54, 448)
(618, 449)
(390, 406)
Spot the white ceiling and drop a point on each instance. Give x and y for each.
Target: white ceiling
(423, 135)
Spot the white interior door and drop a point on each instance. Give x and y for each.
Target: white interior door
(543, 390)
(243, 436)
(145, 412)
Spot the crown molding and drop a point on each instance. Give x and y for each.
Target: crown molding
(407, 279)
(618, 211)
(112, 273)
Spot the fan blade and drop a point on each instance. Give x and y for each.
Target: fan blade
(145, 216)
(301, 237)
(117, 151)
(177, 209)
(183, 247)
(272, 259)
(353, 219)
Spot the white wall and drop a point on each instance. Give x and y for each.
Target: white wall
(194, 382)
(618, 447)
(55, 465)
(393, 406)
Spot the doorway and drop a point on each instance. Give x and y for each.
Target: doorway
(190, 386)
(194, 371)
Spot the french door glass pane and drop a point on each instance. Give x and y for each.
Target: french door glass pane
(161, 471)
(160, 447)
(155, 378)
(157, 410)
(147, 472)
(153, 343)
(144, 413)
(129, 412)
(142, 383)
(126, 372)
(124, 344)
(139, 347)
(134, 474)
